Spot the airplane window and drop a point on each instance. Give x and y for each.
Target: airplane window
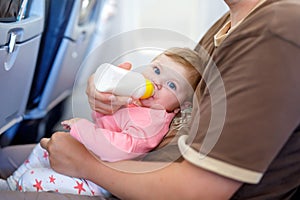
(86, 11)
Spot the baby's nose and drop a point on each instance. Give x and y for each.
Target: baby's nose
(159, 86)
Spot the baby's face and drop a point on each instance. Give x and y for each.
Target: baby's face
(170, 82)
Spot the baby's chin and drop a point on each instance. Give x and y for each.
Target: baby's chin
(149, 103)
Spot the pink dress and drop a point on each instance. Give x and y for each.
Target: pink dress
(128, 133)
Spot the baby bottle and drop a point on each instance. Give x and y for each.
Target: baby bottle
(109, 78)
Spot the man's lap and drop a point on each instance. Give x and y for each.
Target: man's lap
(13, 156)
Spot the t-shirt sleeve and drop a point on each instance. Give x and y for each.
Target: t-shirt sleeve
(250, 106)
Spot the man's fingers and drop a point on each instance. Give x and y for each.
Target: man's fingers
(44, 143)
(125, 65)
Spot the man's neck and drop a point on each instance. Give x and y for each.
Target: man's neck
(239, 9)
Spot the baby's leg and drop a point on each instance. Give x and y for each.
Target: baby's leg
(45, 179)
(37, 159)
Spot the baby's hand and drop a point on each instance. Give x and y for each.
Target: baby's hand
(68, 123)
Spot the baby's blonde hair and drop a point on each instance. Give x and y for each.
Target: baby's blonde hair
(188, 58)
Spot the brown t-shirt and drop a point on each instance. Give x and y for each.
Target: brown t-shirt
(245, 124)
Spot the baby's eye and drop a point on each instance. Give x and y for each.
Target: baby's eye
(171, 85)
(156, 70)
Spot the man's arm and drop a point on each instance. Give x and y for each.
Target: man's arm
(136, 179)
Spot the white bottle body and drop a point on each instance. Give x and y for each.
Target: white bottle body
(109, 78)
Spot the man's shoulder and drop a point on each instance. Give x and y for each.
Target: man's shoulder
(279, 17)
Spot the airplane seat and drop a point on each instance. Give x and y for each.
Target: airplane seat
(69, 29)
(20, 31)
(56, 20)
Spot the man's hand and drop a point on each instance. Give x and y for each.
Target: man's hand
(105, 103)
(67, 155)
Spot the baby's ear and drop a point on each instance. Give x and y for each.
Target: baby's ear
(176, 110)
(186, 104)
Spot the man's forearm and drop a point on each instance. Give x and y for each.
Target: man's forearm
(151, 180)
